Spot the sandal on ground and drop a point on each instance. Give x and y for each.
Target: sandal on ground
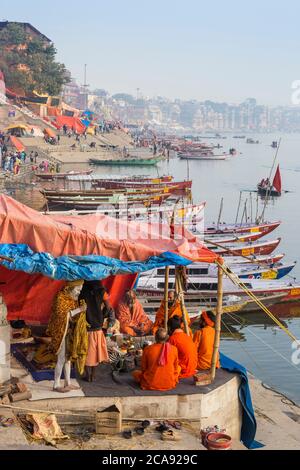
(162, 427)
(139, 430)
(127, 434)
(170, 435)
(7, 422)
(174, 424)
(145, 424)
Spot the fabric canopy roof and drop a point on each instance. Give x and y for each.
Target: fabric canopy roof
(16, 125)
(17, 143)
(30, 296)
(70, 122)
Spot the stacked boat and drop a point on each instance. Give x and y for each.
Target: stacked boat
(249, 260)
(249, 257)
(201, 151)
(123, 197)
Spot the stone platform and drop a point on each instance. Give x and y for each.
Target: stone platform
(209, 405)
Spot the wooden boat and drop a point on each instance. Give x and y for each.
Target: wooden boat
(215, 229)
(95, 177)
(195, 302)
(260, 259)
(177, 186)
(243, 271)
(265, 188)
(207, 287)
(82, 202)
(53, 176)
(257, 248)
(234, 238)
(126, 161)
(202, 156)
(100, 192)
(151, 214)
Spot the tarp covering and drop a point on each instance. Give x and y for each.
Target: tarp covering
(17, 143)
(71, 268)
(248, 430)
(29, 296)
(70, 122)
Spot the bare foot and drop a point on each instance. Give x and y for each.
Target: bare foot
(61, 389)
(72, 387)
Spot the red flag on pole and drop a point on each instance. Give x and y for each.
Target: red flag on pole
(277, 180)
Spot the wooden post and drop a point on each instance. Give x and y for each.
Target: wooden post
(238, 209)
(167, 270)
(217, 324)
(182, 305)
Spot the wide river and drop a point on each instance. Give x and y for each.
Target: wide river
(253, 340)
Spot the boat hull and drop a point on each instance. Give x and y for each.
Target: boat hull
(266, 191)
(241, 228)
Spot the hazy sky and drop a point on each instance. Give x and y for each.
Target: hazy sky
(220, 50)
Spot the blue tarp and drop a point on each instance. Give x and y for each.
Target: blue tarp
(70, 268)
(248, 430)
(85, 122)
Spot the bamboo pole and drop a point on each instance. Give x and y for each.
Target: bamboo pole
(220, 212)
(167, 270)
(182, 305)
(217, 324)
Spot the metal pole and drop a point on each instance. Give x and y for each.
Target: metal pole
(167, 270)
(217, 324)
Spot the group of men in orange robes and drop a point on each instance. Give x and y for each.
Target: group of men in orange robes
(175, 355)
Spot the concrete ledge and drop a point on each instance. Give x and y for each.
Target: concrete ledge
(219, 406)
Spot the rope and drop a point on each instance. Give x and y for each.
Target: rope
(240, 284)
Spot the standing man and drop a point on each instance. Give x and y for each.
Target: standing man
(60, 332)
(98, 308)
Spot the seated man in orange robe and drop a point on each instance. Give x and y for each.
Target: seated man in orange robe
(204, 341)
(159, 369)
(133, 320)
(174, 308)
(187, 352)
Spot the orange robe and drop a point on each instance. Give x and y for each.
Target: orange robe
(187, 353)
(155, 377)
(204, 341)
(174, 310)
(138, 319)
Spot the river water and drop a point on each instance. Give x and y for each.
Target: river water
(253, 339)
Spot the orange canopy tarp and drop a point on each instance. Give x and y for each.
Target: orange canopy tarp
(17, 143)
(70, 122)
(30, 296)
